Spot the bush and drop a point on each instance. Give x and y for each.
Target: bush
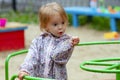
(103, 24)
(100, 23)
(70, 19)
(118, 24)
(82, 20)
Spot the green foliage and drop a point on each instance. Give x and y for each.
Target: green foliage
(70, 19)
(100, 23)
(118, 24)
(27, 17)
(82, 20)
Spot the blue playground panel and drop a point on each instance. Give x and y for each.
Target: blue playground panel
(76, 11)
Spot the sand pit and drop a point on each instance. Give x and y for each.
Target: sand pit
(80, 54)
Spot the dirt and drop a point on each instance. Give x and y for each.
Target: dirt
(80, 54)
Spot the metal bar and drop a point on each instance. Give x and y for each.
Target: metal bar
(8, 59)
(98, 43)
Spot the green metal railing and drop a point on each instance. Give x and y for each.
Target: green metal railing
(109, 67)
(8, 59)
(29, 78)
(34, 78)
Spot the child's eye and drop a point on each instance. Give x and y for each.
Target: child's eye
(63, 22)
(55, 24)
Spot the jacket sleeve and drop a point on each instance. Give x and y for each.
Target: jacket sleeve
(62, 52)
(31, 59)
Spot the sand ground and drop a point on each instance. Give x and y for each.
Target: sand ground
(80, 54)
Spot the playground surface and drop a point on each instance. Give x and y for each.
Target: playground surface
(80, 54)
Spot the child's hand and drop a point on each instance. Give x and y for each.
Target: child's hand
(22, 74)
(75, 41)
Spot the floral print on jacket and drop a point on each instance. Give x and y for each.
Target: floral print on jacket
(47, 57)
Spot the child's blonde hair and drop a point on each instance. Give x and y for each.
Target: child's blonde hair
(49, 10)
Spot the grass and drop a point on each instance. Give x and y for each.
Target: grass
(27, 17)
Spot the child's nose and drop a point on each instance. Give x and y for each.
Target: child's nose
(60, 26)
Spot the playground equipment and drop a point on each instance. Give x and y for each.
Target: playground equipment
(3, 22)
(111, 36)
(12, 36)
(35, 78)
(110, 65)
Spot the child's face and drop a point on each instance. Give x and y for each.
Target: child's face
(56, 26)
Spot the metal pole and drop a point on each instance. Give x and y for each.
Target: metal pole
(118, 74)
(14, 3)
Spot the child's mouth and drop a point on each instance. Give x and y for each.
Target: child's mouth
(60, 33)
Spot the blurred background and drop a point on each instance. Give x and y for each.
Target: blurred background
(25, 11)
(33, 5)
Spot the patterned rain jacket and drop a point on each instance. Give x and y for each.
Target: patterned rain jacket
(47, 57)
